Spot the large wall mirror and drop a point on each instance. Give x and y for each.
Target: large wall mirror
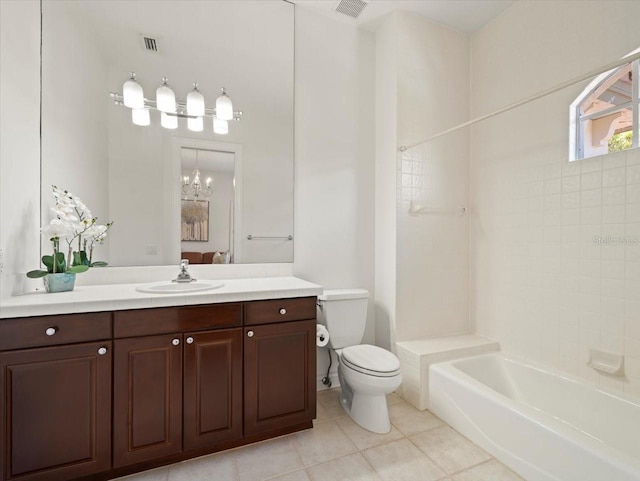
(170, 189)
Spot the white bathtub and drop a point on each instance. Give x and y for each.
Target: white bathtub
(545, 426)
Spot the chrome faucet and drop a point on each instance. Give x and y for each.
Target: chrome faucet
(184, 275)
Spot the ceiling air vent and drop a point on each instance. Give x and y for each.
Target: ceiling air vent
(351, 8)
(150, 44)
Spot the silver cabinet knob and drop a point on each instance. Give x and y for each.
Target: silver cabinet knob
(283, 311)
(51, 331)
(102, 351)
(189, 340)
(250, 334)
(175, 342)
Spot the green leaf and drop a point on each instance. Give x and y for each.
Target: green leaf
(80, 259)
(36, 274)
(48, 262)
(99, 264)
(77, 269)
(61, 265)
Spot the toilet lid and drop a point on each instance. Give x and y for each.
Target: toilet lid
(371, 360)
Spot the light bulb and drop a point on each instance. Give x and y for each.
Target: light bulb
(224, 106)
(195, 124)
(168, 121)
(220, 126)
(140, 117)
(132, 93)
(165, 98)
(195, 102)
(208, 181)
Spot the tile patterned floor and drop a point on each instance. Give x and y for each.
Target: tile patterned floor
(420, 447)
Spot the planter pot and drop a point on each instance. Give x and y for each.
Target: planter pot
(59, 282)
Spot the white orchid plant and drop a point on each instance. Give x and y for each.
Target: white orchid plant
(74, 223)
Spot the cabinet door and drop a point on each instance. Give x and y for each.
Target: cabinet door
(56, 412)
(147, 398)
(212, 387)
(279, 375)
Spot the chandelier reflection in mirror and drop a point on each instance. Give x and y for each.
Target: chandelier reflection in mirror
(192, 188)
(193, 109)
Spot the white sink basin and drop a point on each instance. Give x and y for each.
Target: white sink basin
(178, 287)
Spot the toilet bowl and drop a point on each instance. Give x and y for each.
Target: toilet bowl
(365, 385)
(366, 373)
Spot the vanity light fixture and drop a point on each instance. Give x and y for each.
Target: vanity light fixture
(193, 109)
(224, 106)
(132, 93)
(195, 102)
(168, 121)
(140, 117)
(195, 124)
(220, 126)
(165, 98)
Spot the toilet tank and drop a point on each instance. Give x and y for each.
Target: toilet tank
(344, 313)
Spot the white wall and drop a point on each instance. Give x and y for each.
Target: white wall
(20, 143)
(541, 284)
(386, 143)
(334, 143)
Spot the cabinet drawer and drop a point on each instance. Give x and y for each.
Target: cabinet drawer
(280, 310)
(19, 333)
(166, 320)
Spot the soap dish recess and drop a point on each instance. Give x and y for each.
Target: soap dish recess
(606, 362)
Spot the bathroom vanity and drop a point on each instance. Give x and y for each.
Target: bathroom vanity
(102, 394)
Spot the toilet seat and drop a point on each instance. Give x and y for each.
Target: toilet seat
(370, 360)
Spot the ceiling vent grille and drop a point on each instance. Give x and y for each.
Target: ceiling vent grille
(150, 44)
(351, 8)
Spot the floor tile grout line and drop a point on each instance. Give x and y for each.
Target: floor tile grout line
(473, 466)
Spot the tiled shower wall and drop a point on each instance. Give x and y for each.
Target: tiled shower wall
(554, 245)
(432, 254)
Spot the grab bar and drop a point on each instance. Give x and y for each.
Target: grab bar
(258, 237)
(416, 209)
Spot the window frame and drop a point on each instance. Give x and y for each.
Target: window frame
(577, 119)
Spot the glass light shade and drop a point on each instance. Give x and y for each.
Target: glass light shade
(132, 93)
(195, 102)
(165, 98)
(196, 177)
(140, 117)
(220, 126)
(224, 107)
(195, 124)
(168, 121)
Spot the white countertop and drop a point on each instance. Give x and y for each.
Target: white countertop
(116, 297)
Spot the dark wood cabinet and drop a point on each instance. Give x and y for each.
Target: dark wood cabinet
(56, 406)
(279, 375)
(101, 395)
(147, 398)
(212, 387)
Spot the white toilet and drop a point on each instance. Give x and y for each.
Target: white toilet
(367, 373)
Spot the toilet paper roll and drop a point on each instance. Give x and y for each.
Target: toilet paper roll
(322, 335)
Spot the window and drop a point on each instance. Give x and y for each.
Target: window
(605, 116)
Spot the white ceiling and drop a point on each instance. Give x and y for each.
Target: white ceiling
(463, 15)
